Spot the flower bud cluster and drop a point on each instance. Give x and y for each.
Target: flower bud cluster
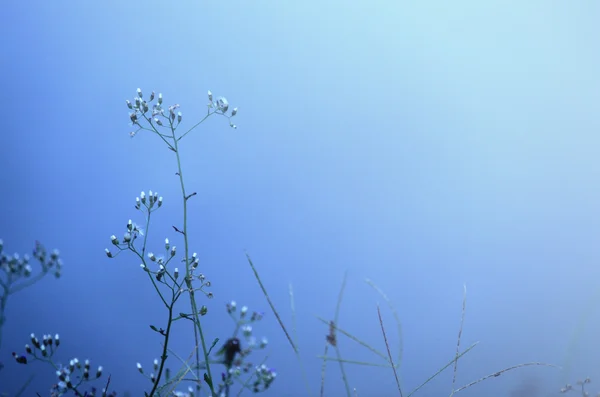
(221, 106)
(163, 274)
(151, 376)
(243, 313)
(151, 203)
(244, 321)
(579, 390)
(39, 349)
(148, 202)
(71, 376)
(158, 116)
(18, 266)
(264, 377)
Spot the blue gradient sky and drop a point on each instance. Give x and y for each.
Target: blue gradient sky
(421, 144)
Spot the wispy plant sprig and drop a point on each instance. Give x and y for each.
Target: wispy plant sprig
(293, 344)
(154, 116)
(16, 273)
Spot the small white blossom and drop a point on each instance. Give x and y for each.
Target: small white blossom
(222, 104)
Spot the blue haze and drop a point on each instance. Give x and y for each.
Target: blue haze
(424, 145)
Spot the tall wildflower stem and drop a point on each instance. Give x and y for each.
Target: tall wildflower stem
(198, 332)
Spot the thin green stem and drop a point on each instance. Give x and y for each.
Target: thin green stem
(336, 346)
(264, 290)
(188, 279)
(163, 358)
(193, 127)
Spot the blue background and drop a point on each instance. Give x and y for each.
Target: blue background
(424, 145)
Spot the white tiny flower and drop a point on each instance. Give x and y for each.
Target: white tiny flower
(210, 97)
(222, 104)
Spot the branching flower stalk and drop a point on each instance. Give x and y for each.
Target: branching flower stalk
(155, 121)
